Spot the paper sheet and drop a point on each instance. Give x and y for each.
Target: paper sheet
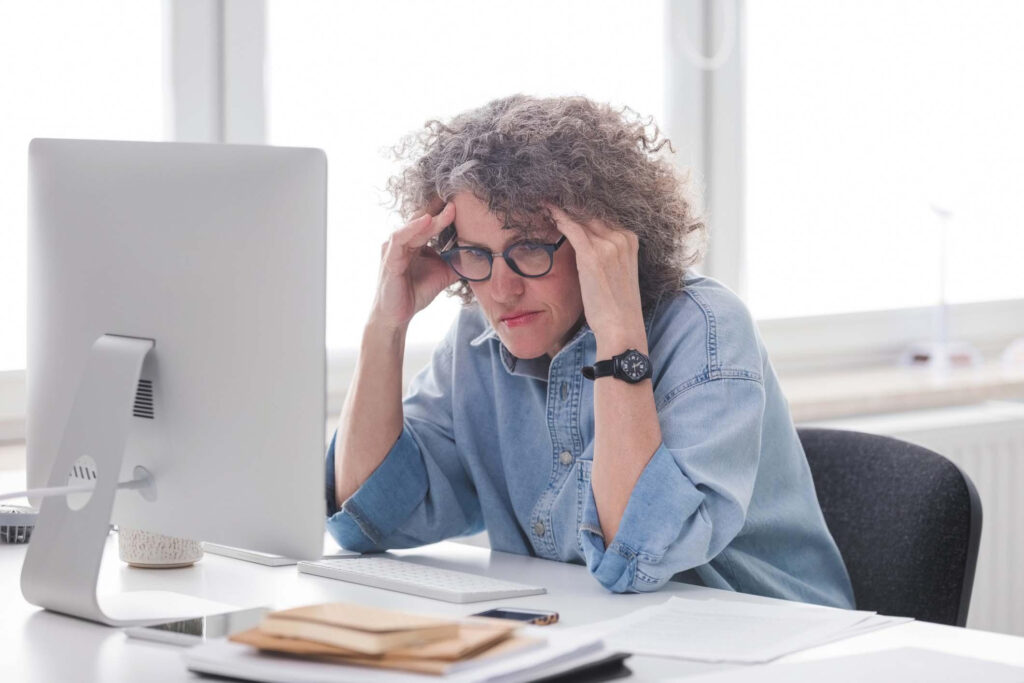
(725, 631)
(902, 665)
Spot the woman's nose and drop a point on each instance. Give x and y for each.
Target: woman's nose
(505, 283)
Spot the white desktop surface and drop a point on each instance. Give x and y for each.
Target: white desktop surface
(36, 645)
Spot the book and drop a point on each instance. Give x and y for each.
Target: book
(357, 628)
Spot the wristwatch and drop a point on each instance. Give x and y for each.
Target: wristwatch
(630, 366)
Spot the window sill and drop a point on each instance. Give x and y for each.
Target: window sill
(891, 389)
(812, 395)
(12, 457)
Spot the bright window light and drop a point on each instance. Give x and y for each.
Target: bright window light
(870, 125)
(70, 70)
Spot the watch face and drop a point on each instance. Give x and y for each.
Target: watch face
(634, 365)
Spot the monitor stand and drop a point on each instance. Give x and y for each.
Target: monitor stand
(62, 564)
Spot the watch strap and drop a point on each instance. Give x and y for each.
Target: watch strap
(602, 368)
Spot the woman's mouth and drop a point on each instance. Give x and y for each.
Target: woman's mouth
(520, 319)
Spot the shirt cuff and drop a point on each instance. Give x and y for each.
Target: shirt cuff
(383, 502)
(661, 493)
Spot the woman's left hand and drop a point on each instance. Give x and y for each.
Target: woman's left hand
(607, 261)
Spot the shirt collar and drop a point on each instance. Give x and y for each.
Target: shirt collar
(488, 333)
(534, 367)
(507, 359)
(510, 362)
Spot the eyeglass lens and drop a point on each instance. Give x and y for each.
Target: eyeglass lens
(530, 259)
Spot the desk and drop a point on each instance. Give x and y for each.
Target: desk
(43, 646)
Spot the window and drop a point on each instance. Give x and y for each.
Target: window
(71, 69)
(836, 142)
(871, 127)
(353, 78)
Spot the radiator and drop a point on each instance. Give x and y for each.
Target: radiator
(987, 442)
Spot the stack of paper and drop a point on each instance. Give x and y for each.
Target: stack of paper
(386, 639)
(263, 657)
(357, 628)
(727, 631)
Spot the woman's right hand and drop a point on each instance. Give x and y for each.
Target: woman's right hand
(411, 273)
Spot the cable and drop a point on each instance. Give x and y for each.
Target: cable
(137, 483)
(47, 492)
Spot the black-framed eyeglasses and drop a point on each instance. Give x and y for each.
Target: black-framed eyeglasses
(527, 258)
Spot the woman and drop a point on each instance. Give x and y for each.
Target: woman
(592, 402)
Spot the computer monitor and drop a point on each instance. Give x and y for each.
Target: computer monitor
(176, 322)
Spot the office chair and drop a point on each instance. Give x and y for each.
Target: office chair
(907, 522)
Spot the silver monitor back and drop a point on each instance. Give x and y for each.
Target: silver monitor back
(217, 253)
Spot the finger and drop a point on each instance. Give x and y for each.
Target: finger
(418, 232)
(394, 252)
(574, 232)
(601, 231)
(406, 242)
(443, 219)
(599, 227)
(444, 271)
(626, 239)
(621, 238)
(606, 240)
(433, 208)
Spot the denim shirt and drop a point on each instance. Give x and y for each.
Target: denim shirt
(495, 442)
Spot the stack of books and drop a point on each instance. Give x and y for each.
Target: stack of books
(359, 635)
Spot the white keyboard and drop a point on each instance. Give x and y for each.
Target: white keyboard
(268, 559)
(258, 557)
(416, 579)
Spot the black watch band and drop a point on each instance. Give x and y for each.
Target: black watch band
(601, 368)
(630, 366)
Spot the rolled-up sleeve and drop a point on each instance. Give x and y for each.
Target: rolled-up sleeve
(691, 499)
(421, 492)
(370, 517)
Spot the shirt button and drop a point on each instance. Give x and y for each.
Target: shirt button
(565, 457)
(565, 391)
(538, 528)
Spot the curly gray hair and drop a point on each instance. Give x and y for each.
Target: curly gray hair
(595, 162)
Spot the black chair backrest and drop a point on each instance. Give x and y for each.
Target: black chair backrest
(907, 522)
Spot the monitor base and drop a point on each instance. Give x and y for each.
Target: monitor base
(142, 608)
(62, 564)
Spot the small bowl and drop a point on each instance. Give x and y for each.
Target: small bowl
(148, 550)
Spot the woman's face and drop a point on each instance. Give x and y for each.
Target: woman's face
(532, 316)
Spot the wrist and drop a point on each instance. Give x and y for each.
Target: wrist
(613, 342)
(380, 333)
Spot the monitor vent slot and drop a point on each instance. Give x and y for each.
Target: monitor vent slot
(144, 400)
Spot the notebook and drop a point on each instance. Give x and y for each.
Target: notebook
(357, 628)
